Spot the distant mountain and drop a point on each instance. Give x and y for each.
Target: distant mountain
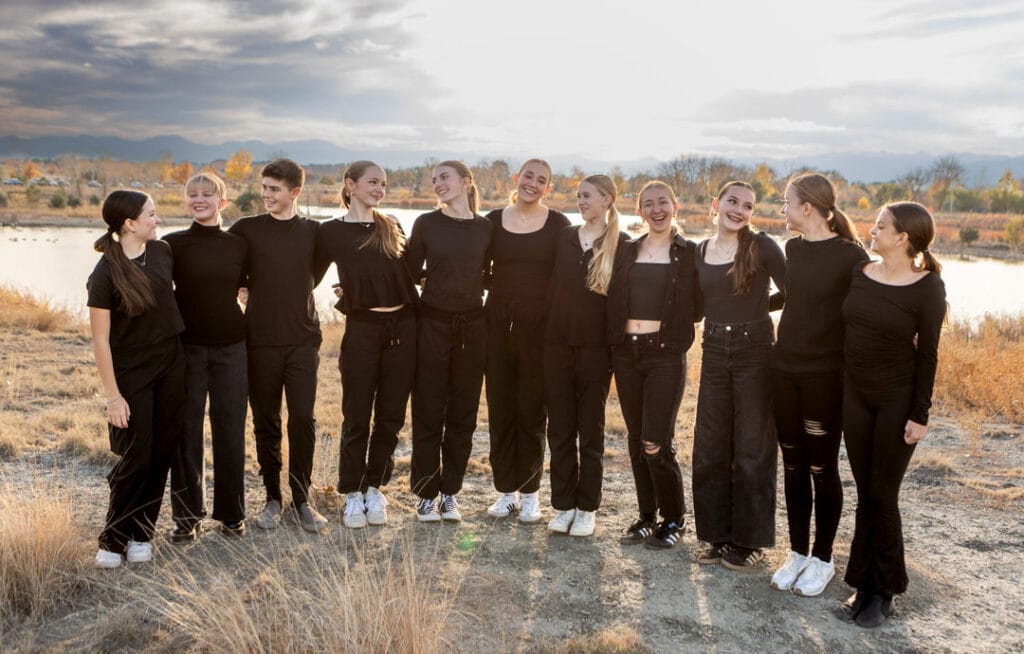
(855, 166)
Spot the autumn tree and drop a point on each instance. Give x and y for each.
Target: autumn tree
(165, 165)
(1014, 232)
(764, 182)
(239, 166)
(947, 173)
(30, 171)
(1007, 189)
(915, 181)
(180, 173)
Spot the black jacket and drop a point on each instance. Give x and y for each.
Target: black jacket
(683, 304)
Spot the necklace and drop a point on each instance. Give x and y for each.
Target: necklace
(586, 241)
(145, 253)
(647, 253)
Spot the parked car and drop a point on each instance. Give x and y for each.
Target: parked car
(94, 184)
(12, 181)
(137, 184)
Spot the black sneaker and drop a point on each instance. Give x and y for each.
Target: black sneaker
(742, 558)
(666, 535)
(184, 532)
(875, 611)
(713, 554)
(849, 609)
(233, 529)
(638, 532)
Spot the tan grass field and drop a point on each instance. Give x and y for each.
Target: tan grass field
(485, 584)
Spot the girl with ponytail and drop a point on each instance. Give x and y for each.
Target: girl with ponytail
(447, 254)
(734, 451)
(523, 244)
(807, 377)
(894, 314)
(378, 352)
(135, 324)
(577, 360)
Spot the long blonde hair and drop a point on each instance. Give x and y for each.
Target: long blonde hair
(600, 267)
(473, 193)
(386, 236)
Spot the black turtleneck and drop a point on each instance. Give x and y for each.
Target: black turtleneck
(209, 267)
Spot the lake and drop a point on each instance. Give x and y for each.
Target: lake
(54, 262)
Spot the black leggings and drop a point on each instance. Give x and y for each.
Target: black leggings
(808, 408)
(874, 423)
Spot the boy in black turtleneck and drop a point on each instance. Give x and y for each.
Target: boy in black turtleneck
(283, 339)
(209, 268)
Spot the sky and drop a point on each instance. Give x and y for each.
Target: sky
(602, 80)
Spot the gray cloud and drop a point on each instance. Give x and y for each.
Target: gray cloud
(946, 17)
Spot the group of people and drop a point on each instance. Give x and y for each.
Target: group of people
(568, 308)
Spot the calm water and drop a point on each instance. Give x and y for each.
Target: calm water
(54, 262)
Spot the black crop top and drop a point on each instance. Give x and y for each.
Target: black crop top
(521, 264)
(647, 283)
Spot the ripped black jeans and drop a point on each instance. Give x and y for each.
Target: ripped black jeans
(808, 418)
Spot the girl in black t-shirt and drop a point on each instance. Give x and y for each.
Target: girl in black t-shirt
(522, 258)
(135, 325)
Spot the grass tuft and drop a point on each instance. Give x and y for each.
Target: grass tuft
(24, 311)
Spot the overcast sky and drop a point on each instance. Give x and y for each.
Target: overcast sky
(604, 80)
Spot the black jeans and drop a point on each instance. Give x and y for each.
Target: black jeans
(808, 409)
(734, 451)
(219, 372)
(450, 354)
(291, 368)
(649, 380)
(576, 381)
(154, 388)
(515, 396)
(873, 422)
(377, 363)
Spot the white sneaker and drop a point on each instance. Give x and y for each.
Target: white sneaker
(562, 521)
(450, 508)
(504, 506)
(786, 576)
(529, 511)
(108, 560)
(270, 516)
(815, 578)
(426, 511)
(139, 552)
(584, 523)
(355, 512)
(376, 513)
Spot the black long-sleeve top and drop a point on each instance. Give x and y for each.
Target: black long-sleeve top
(209, 268)
(282, 272)
(521, 264)
(576, 315)
(456, 253)
(810, 333)
(129, 334)
(682, 305)
(369, 278)
(723, 305)
(881, 323)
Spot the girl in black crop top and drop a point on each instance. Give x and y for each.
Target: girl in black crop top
(734, 451)
(650, 336)
(378, 352)
(135, 325)
(522, 257)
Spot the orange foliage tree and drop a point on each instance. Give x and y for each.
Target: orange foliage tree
(239, 166)
(181, 172)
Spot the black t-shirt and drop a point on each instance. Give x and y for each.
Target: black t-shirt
(576, 314)
(209, 267)
(881, 323)
(369, 278)
(456, 253)
(521, 264)
(810, 338)
(128, 334)
(282, 272)
(721, 304)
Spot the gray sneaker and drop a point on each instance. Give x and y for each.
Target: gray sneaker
(308, 517)
(270, 516)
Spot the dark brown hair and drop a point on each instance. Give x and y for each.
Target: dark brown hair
(745, 261)
(918, 224)
(129, 280)
(819, 192)
(386, 236)
(464, 171)
(287, 171)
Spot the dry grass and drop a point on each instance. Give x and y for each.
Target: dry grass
(42, 551)
(613, 640)
(23, 311)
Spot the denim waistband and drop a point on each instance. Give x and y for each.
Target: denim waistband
(712, 328)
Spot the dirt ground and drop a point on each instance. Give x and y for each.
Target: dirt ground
(517, 588)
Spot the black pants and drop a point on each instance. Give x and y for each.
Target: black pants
(154, 387)
(290, 368)
(450, 354)
(808, 409)
(734, 451)
(650, 380)
(873, 422)
(515, 395)
(219, 372)
(377, 363)
(576, 381)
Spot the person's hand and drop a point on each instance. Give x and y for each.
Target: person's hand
(118, 412)
(243, 296)
(914, 432)
(338, 291)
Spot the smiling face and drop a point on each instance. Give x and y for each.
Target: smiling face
(143, 226)
(592, 203)
(658, 209)
(532, 182)
(278, 198)
(448, 185)
(204, 203)
(884, 237)
(369, 188)
(794, 209)
(735, 208)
